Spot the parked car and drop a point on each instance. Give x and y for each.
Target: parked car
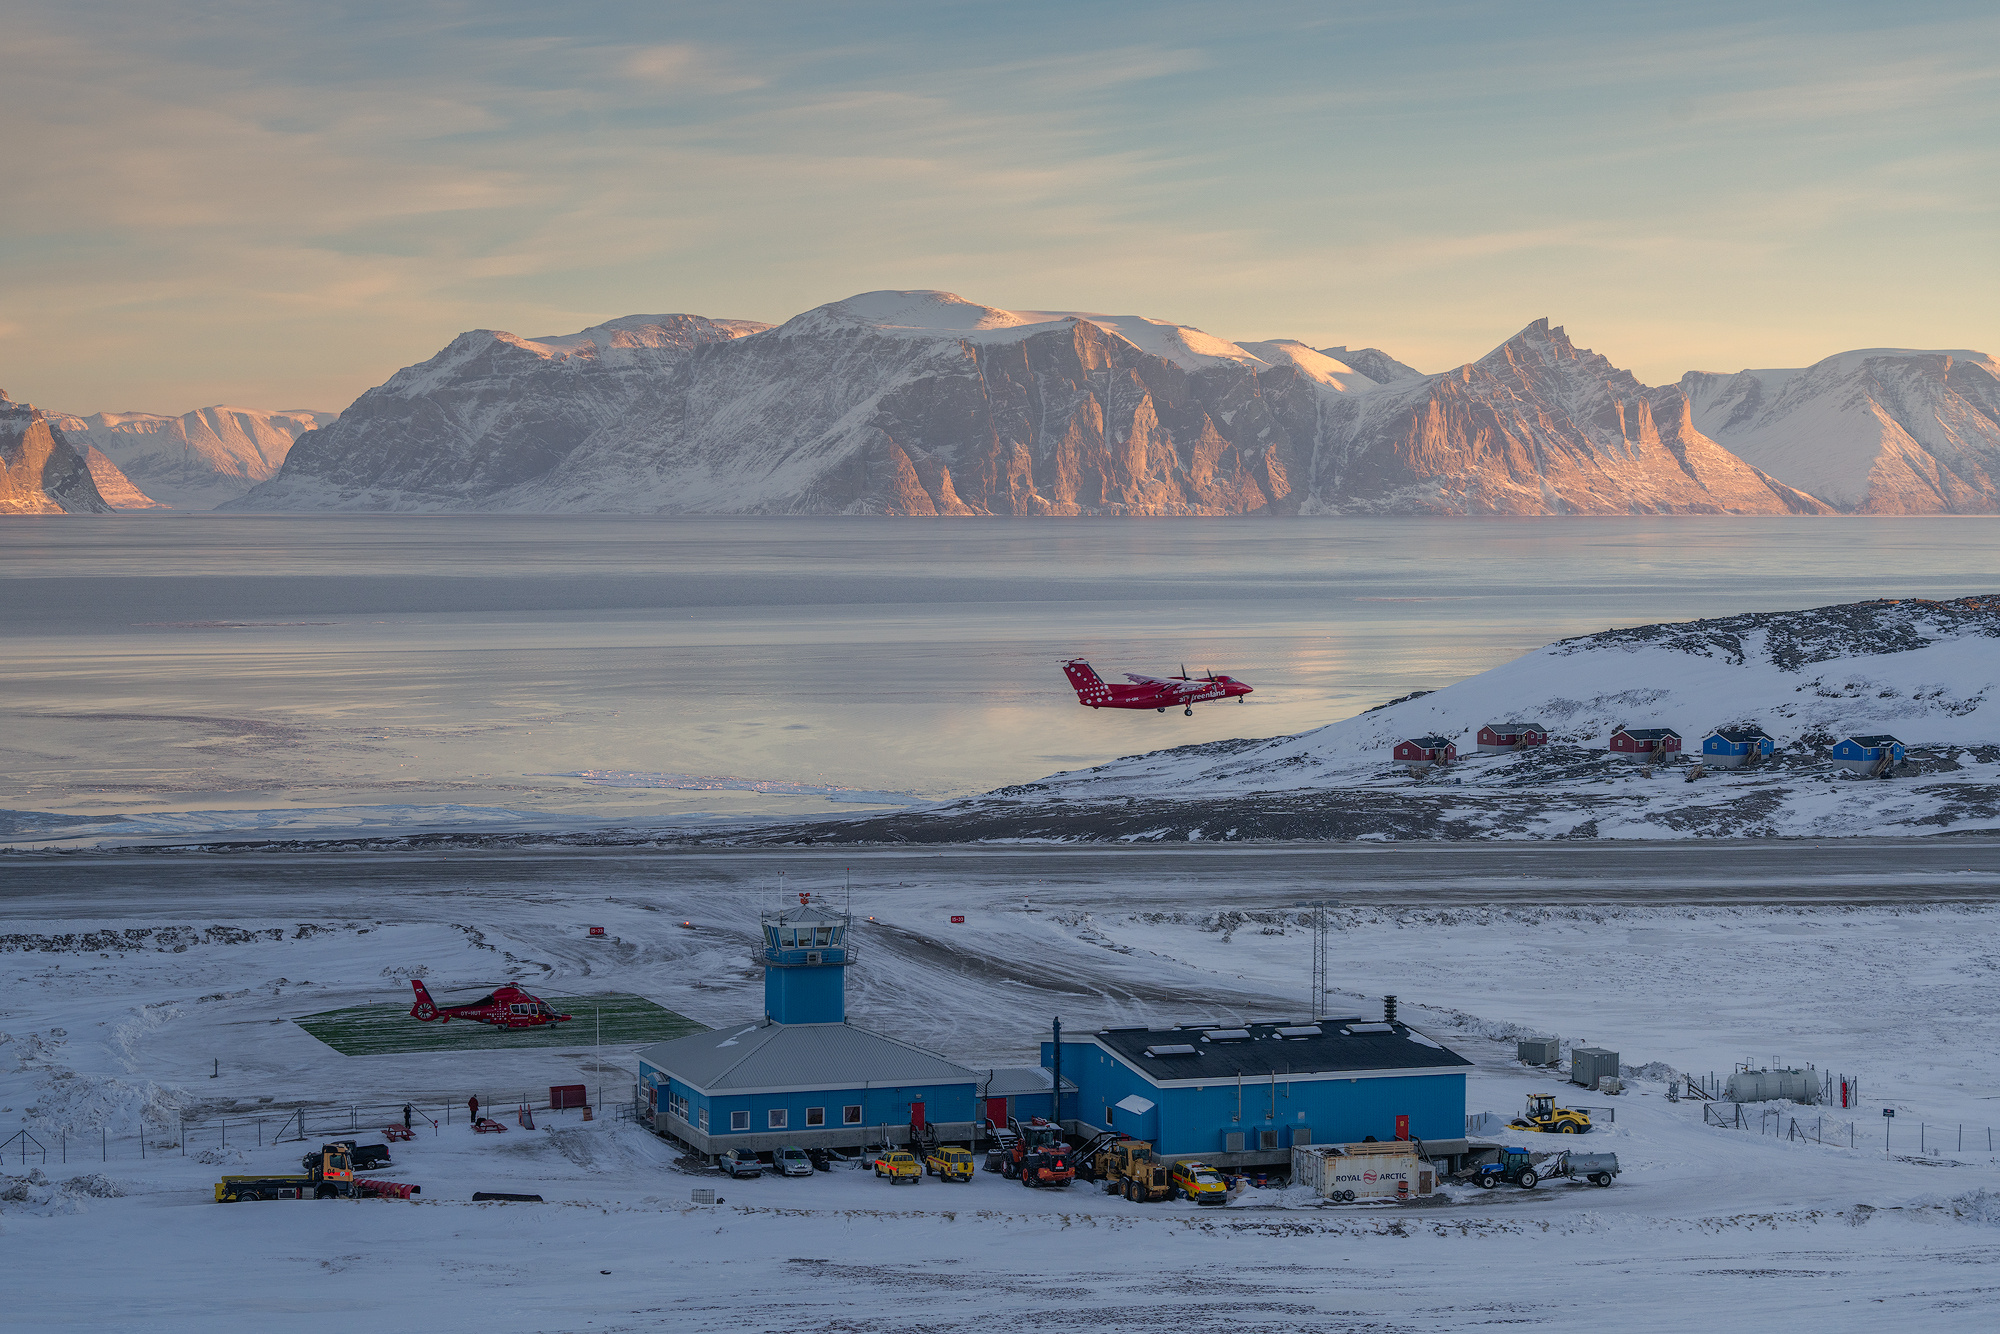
(1201, 1183)
(899, 1167)
(740, 1164)
(949, 1164)
(791, 1161)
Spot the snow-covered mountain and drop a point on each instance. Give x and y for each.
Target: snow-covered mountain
(40, 471)
(196, 460)
(112, 483)
(1878, 431)
(922, 402)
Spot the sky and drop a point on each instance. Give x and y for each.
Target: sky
(277, 205)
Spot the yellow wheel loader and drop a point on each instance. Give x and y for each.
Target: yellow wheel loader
(1544, 1115)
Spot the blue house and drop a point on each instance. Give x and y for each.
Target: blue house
(801, 1074)
(1241, 1097)
(1732, 747)
(1871, 755)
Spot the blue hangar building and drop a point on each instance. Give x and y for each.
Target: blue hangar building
(1243, 1096)
(801, 1074)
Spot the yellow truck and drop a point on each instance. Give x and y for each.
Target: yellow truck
(1200, 1182)
(949, 1164)
(899, 1167)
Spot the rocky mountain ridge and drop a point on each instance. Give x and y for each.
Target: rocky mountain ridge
(1876, 431)
(196, 460)
(924, 403)
(40, 471)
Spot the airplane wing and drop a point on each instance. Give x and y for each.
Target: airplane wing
(1182, 686)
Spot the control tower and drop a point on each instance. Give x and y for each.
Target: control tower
(805, 949)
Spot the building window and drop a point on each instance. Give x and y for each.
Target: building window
(1107, 1116)
(703, 1123)
(739, 1120)
(775, 1118)
(815, 1116)
(850, 1116)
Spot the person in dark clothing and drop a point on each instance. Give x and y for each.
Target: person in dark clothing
(407, 1109)
(472, 1105)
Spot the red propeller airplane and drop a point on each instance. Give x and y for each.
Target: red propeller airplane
(503, 1007)
(1158, 693)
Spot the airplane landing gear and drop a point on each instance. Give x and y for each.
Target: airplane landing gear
(1189, 711)
(1161, 709)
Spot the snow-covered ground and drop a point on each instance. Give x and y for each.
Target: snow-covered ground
(125, 986)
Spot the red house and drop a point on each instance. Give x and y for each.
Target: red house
(1497, 737)
(1425, 750)
(1645, 743)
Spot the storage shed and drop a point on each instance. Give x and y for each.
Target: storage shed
(1244, 1096)
(1871, 755)
(1645, 743)
(1498, 738)
(801, 1074)
(1733, 747)
(1423, 751)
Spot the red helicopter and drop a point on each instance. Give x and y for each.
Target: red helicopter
(503, 1007)
(1158, 693)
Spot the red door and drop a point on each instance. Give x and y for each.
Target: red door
(996, 1111)
(916, 1114)
(1403, 1126)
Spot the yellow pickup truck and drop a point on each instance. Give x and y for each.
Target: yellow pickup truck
(899, 1167)
(1200, 1183)
(949, 1164)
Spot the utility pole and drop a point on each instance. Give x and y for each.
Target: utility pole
(1319, 982)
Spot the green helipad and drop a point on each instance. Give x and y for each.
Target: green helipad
(381, 1030)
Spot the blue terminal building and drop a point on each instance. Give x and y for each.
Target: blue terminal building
(800, 1073)
(1240, 1096)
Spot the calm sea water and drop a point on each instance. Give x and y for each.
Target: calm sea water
(188, 663)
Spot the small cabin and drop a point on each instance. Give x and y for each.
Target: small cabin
(1422, 751)
(1645, 743)
(1872, 755)
(1733, 747)
(1496, 738)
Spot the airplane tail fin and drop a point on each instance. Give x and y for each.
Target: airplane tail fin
(1089, 686)
(425, 1009)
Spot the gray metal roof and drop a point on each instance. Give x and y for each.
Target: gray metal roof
(1431, 742)
(1648, 733)
(1516, 727)
(1019, 1081)
(1880, 739)
(1337, 1047)
(761, 1055)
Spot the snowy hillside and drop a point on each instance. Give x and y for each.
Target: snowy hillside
(1925, 672)
(196, 460)
(1879, 431)
(922, 402)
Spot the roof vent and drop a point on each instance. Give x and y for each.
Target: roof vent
(1305, 1031)
(1371, 1028)
(1171, 1049)
(1226, 1035)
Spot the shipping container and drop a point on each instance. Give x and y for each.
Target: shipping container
(1360, 1172)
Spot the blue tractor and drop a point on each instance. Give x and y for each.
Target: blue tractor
(1515, 1168)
